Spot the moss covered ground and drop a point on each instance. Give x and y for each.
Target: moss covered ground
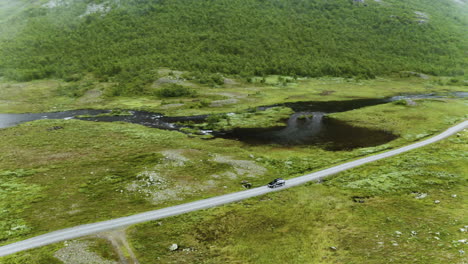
(86, 172)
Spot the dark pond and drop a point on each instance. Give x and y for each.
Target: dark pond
(312, 128)
(308, 125)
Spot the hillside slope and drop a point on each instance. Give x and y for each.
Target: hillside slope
(59, 38)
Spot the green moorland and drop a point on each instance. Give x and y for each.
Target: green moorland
(58, 173)
(369, 214)
(232, 56)
(125, 41)
(372, 214)
(191, 96)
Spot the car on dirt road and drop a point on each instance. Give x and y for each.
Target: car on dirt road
(277, 183)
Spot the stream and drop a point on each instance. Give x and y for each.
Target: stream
(309, 124)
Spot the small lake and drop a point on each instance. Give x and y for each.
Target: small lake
(309, 124)
(311, 128)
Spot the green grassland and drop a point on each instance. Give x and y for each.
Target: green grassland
(87, 162)
(369, 214)
(358, 212)
(231, 57)
(58, 173)
(234, 96)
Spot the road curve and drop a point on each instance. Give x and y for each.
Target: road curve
(88, 229)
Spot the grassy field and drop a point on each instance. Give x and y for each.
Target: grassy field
(61, 173)
(233, 96)
(370, 214)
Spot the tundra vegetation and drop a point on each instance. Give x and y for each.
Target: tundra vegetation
(225, 59)
(57, 178)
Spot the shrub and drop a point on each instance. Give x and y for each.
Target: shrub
(175, 90)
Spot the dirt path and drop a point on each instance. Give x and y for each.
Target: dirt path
(118, 239)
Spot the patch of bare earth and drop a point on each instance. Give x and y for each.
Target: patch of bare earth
(241, 168)
(175, 156)
(77, 252)
(91, 96)
(233, 95)
(169, 106)
(157, 186)
(219, 103)
(229, 81)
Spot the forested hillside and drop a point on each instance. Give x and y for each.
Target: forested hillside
(128, 40)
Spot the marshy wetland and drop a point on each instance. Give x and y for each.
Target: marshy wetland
(62, 167)
(307, 125)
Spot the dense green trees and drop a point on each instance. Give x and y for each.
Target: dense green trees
(245, 37)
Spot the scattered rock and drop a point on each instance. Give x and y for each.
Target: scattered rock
(413, 233)
(359, 199)
(54, 3)
(462, 230)
(436, 238)
(77, 252)
(175, 156)
(398, 233)
(454, 196)
(173, 247)
(421, 196)
(246, 184)
(461, 251)
(421, 17)
(437, 202)
(395, 244)
(410, 102)
(103, 8)
(333, 248)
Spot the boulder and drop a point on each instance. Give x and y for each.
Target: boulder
(173, 247)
